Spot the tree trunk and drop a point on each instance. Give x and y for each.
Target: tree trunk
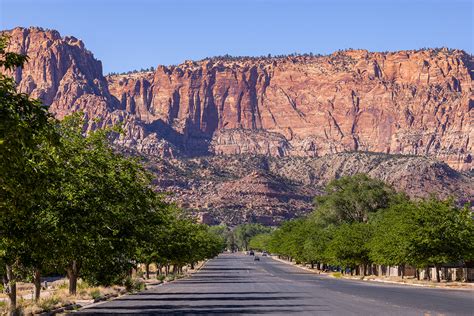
(73, 274)
(312, 265)
(438, 279)
(10, 290)
(402, 271)
(192, 265)
(428, 273)
(417, 273)
(37, 281)
(147, 271)
(158, 269)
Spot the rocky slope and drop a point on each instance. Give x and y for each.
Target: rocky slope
(240, 188)
(298, 115)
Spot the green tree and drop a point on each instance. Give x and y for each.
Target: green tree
(392, 228)
(102, 200)
(349, 246)
(25, 126)
(243, 233)
(224, 232)
(351, 199)
(288, 239)
(442, 233)
(260, 242)
(316, 243)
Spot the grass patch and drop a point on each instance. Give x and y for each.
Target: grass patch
(337, 275)
(160, 277)
(49, 303)
(95, 294)
(134, 285)
(82, 285)
(63, 286)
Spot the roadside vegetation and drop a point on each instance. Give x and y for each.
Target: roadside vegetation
(239, 237)
(71, 204)
(361, 224)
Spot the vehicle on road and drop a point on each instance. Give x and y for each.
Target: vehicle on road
(264, 254)
(251, 253)
(256, 258)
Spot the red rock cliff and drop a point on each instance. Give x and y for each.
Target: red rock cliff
(407, 102)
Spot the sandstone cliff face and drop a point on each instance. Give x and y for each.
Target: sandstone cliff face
(408, 102)
(60, 72)
(67, 78)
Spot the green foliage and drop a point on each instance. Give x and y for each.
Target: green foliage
(428, 232)
(392, 230)
(26, 136)
(349, 245)
(260, 242)
(133, 284)
(70, 202)
(243, 233)
(288, 239)
(160, 277)
(352, 199)
(316, 242)
(95, 294)
(361, 221)
(49, 303)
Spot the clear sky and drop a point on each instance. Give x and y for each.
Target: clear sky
(134, 34)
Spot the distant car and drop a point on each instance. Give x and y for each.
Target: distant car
(256, 258)
(264, 254)
(251, 253)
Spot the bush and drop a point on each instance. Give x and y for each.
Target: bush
(49, 303)
(134, 285)
(160, 277)
(82, 285)
(337, 275)
(95, 294)
(63, 286)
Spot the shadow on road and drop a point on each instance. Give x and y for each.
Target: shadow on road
(181, 309)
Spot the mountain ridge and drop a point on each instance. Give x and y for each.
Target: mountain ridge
(303, 108)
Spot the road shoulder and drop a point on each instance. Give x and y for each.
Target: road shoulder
(375, 279)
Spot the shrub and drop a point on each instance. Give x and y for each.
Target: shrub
(337, 275)
(160, 277)
(95, 294)
(134, 285)
(82, 285)
(49, 303)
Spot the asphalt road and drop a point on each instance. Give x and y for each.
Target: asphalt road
(235, 284)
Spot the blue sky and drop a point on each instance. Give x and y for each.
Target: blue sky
(136, 34)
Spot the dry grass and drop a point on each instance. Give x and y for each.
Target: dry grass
(59, 296)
